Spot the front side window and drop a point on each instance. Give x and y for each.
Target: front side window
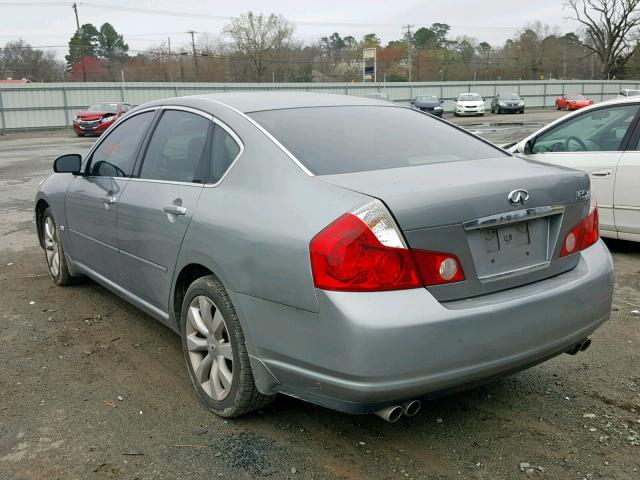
(116, 154)
(344, 139)
(176, 151)
(599, 130)
(225, 151)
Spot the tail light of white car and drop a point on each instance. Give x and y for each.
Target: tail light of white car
(583, 235)
(363, 250)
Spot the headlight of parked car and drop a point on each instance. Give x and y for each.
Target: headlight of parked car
(437, 108)
(76, 118)
(502, 104)
(106, 119)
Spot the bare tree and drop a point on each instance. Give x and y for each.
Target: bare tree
(260, 38)
(610, 26)
(18, 59)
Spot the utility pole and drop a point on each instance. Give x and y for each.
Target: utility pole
(84, 72)
(170, 62)
(193, 45)
(409, 38)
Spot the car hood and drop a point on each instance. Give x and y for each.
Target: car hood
(427, 104)
(470, 103)
(93, 115)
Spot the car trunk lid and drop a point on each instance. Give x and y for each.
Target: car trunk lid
(464, 208)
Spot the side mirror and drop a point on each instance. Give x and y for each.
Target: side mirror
(441, 102)
(412, 101)
(525, 147)
(71, 163)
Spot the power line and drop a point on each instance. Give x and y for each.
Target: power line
(173, 13)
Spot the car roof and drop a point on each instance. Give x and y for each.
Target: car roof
(259, 101)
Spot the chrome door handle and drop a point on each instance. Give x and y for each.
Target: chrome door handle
(175, 209)
(605, 173)
(109, 199)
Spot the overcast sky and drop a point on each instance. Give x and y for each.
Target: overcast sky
(51, 23)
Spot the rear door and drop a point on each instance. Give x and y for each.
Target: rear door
(92, 199)
(156, 207)
(627, 191)
(592, 142)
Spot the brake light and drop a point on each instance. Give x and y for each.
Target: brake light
(583, 235)
(364, 251)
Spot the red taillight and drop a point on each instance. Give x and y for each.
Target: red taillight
(437, 268)
(363, 251)
(583, 235)
(347, 256)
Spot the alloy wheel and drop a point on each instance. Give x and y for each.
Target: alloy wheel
(210, 350)
(51, 246)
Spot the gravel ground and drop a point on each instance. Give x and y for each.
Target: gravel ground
(92, 388)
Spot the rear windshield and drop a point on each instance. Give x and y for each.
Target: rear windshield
(332, 140)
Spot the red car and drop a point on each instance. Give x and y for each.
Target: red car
(572, 101)
(98, 117)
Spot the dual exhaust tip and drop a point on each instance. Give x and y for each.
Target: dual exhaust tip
(581, 346)
(394, 412)
(409, 409)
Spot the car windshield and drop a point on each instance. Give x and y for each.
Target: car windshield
(575, 97)
(103, 107)
(508, 96)
(469, 97)
(427, 98)
(333, 140)
(633, 93)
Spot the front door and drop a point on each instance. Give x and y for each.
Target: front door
(156, 207)
(591, 142)
(92, 198)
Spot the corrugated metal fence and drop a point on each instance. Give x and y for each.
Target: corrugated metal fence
(53, 105)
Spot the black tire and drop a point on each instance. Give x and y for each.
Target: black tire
(557, 106)
(80, 134)
(521, 111)
(243, 396)
(498, 111)
(481, 114)
(59, 275)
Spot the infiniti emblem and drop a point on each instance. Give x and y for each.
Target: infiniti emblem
(518, 197)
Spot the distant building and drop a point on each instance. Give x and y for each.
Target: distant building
(15, 82)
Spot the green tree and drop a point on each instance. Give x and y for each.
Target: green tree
(83, 43)
(424, 38)
(370, 40)
(111, 45)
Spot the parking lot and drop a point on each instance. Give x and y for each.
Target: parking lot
(93, 388)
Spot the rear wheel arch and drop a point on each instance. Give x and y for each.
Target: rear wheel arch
(188, 274)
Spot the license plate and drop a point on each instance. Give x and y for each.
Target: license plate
(516, 235)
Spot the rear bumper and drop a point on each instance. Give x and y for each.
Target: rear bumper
(365, 351)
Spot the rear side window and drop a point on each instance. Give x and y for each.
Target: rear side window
(116, 154)
(225, 151)
(176, 151)
(332, 140)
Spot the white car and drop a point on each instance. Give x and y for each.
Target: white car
(469, 104)
(602, 140)
(628, 93)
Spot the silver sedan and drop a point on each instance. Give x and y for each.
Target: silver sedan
(346, 251)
